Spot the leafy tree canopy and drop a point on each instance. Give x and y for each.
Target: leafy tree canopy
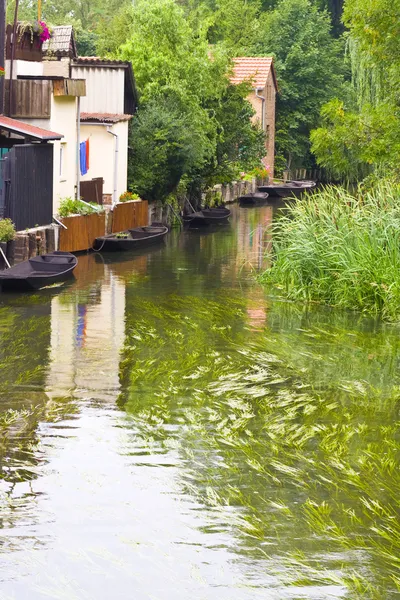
(363, 137)
(309, 64)
(199, 124)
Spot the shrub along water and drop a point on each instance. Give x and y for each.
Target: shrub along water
(342, 249)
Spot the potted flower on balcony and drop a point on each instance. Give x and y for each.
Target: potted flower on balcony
(29, 39)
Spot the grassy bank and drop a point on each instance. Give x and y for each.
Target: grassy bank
(341, 249)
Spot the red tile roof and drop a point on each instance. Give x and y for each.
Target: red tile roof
(104, 117)
(254, 69)
(30, 131)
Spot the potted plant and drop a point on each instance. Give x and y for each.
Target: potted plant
(129, 197)
(32, 34)
(7, 234)
(29, 39)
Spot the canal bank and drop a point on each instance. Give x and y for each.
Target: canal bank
(185, 435)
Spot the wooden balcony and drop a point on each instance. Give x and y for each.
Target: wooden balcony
(31, 98)
(26, 48)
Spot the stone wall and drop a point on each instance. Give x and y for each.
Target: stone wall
(229, 193)
(31, 243)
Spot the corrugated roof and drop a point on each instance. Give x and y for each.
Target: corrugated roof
(30, 131)
(61, 43)
(255, 69)
(104, 117)
(96, 60)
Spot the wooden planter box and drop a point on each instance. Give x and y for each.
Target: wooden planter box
(127, 215)
(82, 231)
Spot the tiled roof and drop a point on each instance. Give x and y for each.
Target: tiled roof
(254, 69)
(104, 117)
(30, 131)
(103, 62)
(61, 43)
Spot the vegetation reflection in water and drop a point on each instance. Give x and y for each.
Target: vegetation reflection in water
(295, 426)
(281, 421)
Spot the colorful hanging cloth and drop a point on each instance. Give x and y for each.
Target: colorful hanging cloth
(87, 154)
(82, 150)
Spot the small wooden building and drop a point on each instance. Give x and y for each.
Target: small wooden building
(26, 173)
(260, 72)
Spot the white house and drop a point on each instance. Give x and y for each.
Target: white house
(84, 99)
(106, 110)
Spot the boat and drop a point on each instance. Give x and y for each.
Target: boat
(290, 188)
(207, 216)
(38, 272)
(253, 198)
(131, 239)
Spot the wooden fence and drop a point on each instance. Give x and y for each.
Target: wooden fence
(82, 231)
(130, 214)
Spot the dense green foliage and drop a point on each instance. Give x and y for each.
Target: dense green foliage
(362, 135)
(310, 70)
(191, 122)
(7, 230)
(341, 249)
(70, 206)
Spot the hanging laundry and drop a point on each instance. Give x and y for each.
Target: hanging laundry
(82, 151)
(87, 154)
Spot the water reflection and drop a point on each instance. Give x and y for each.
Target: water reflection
(171, 431)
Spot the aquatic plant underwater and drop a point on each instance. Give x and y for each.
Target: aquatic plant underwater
(289, 436)
(341, 249)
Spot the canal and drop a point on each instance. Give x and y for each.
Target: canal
(171, 431)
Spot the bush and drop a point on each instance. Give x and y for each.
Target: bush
(7, 230)
(341, 249)
(69, 206)
(128, 196)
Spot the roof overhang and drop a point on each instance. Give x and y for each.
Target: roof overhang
(101, 118)
(28, 131)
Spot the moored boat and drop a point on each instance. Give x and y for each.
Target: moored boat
(207, 216)
(253, 198)
(290, 188)
(131, 239)
(38, 272)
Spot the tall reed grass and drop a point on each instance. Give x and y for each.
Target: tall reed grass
(342, 249)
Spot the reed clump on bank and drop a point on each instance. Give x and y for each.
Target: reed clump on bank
(342, 249)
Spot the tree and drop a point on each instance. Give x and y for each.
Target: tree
(190, 122)
(236, 24)
(368, 129)
(239, 145)
(164, 147)
(309, 64)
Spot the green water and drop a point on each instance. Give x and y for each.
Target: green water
(170, 431)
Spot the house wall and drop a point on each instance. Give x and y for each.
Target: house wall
(63, 120)
(269, 119)
(59, 68)
(268, 122)
(104, 89)
(102, 154)
(23, 67)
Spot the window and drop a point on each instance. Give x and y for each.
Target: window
(63, 156)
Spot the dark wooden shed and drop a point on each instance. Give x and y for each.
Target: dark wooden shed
(26, 173)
